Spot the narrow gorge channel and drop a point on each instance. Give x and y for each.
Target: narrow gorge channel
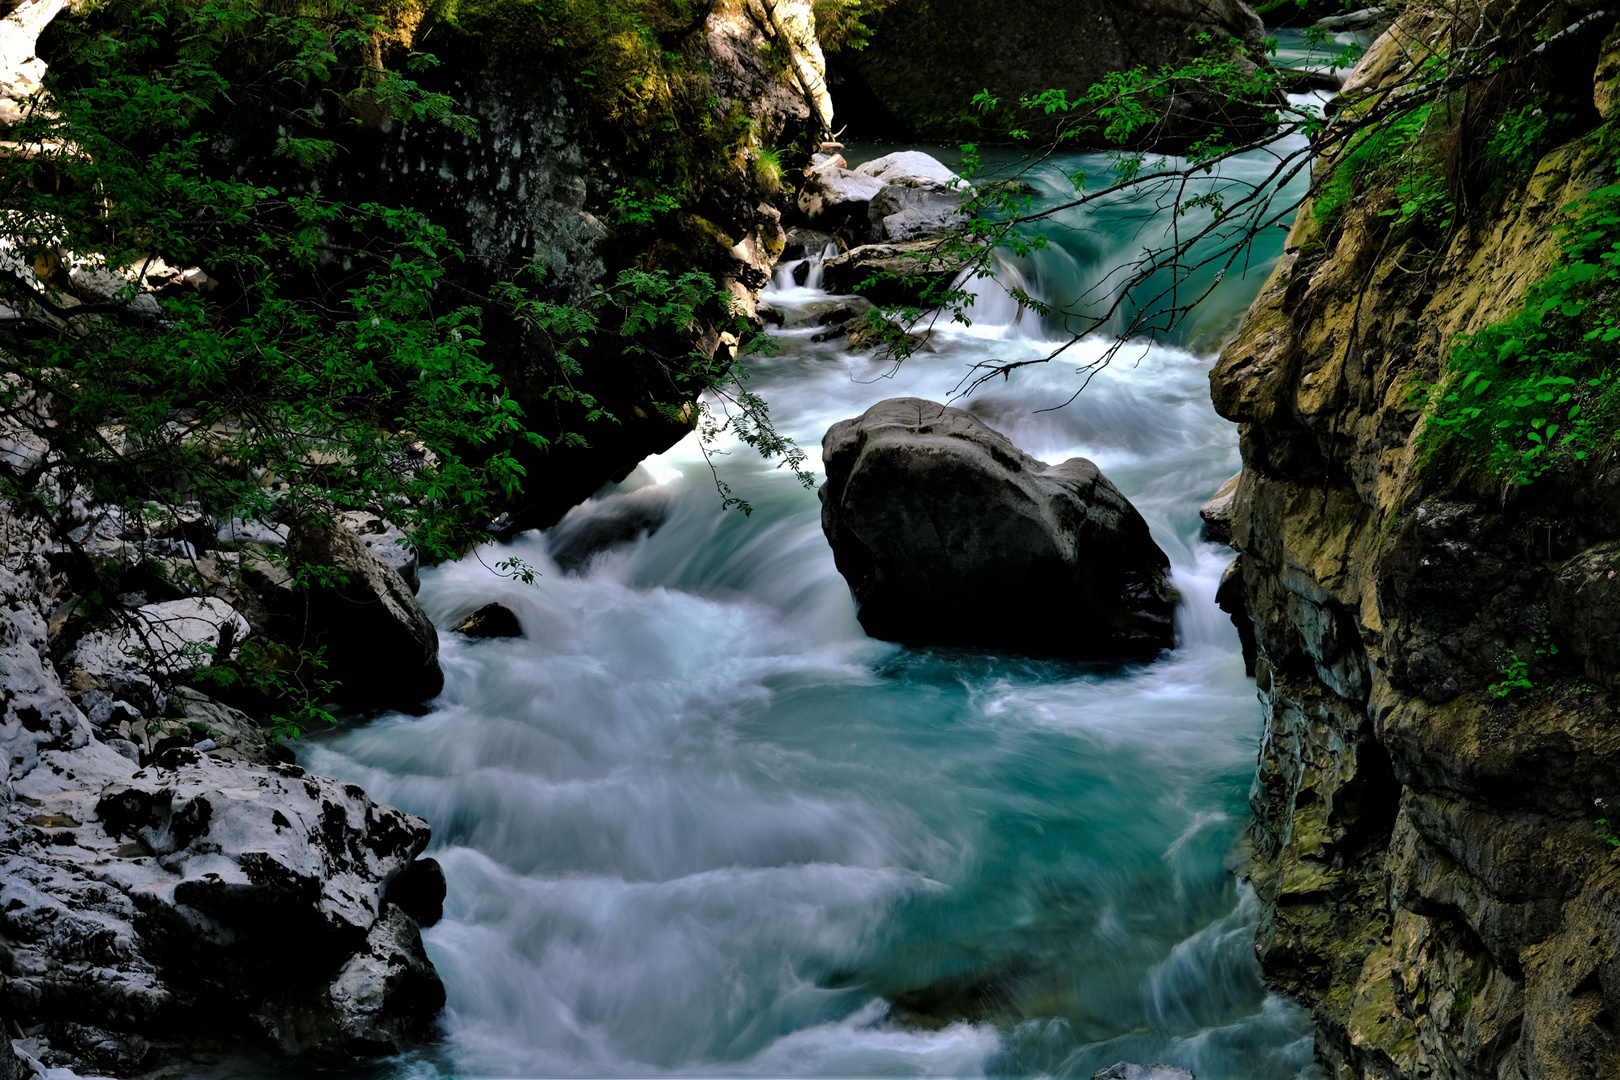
(696, 822)
(1198, 661)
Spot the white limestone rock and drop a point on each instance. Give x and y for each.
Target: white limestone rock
(908, 165)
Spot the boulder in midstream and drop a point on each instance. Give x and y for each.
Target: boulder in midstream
(948, 534)
(490, 621)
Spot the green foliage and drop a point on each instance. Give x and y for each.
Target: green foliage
(1392, 154)
(288, 679)
(1605, 829)
(325, 356)
(768, 171)
(1125, 111)
(841, 25)
(1515, 678)
(640, 211)
(1521, 137)
(1537, 391)
(1127, 108)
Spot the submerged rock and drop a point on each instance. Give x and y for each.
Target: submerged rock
(1124, 1070)
(604, 523)
(948, 534)
(829, 312)
(490, 621)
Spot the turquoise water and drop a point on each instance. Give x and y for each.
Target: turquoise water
(695, 822)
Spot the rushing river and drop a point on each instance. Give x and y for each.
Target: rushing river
(695, 822)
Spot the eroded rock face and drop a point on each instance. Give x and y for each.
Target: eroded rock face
(214, 900)
(135, 901)
(380, 645)
(950, 535)
(1434, 882)
(928, 58)
(214, 883)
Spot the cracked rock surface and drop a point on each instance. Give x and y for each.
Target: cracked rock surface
(217, 881)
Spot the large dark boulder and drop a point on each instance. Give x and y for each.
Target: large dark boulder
(948, 534)
(380, 645)
(927, 59)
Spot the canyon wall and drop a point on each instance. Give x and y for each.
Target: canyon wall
(1436, 885)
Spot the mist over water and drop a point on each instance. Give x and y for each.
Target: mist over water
(695, 822)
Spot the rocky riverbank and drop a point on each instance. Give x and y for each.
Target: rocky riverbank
(169, 883)
(172, 886)
(1437, 886)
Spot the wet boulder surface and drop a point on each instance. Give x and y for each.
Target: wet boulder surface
(216, 898)
(380, 645)
(948, 534)
(134, 902)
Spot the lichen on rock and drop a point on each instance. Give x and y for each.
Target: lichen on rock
(1424, 839)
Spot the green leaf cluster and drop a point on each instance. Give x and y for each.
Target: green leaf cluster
(1537, 391)
(191, 333)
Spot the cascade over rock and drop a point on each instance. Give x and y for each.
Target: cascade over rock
(948, 534)
(1435, 885)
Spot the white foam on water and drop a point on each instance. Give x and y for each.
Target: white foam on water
(695, 822)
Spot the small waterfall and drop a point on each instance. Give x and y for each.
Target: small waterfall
(996, 310)
(802, 273)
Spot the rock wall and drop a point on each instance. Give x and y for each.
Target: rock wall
(1435, 885)
(926, 60)
(168, 885)
(559, 139)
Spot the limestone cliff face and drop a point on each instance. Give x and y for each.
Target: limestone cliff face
(629, 134)
(927, 59)
(561, 140)
(1436, 887)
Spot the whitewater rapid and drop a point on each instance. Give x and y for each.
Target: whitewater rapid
(695, 822)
